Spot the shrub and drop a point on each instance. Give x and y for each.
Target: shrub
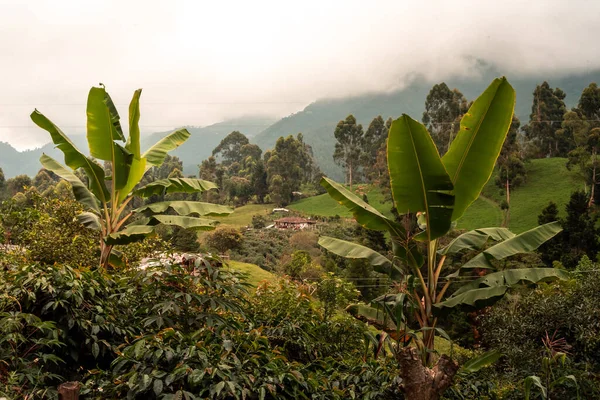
(258, 221)
(224, 238)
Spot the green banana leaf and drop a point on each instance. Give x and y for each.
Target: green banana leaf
(511, 277)
(133, 141)
(175, 185)
(418, 179)
(73, 157)
(475, 240)
(89, 220)
(81, 192)
(472, 295)
(522, 243)
(351, 250)
(131, 234)
(103, 128)
(156, 154)
(373, 316)
(199, 224)
(474, 299)
(138, 163)
(363, 213)
(187, 208)
(472, 155)
(479, 362)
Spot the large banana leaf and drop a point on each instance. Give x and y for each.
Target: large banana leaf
(495, 285)
(419, 181)
(156, 154)
(138, 163)
(472, 155)
(351, 250)
(73, 157)
(133, 141)
(131, 234)
(81, 192)
(103, 128)
(363, 213)
(373, 316)
(187, 208)
(522, 243)
(513, 277)
(479, 362)
(89, 220)
(476, 239)
(475, 299)
(199, 224)
(175, 185)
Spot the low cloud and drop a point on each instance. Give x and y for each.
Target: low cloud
(201, 62)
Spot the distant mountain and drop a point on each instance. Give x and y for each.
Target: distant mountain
(198, 147)
(203, 140)
(318, 120)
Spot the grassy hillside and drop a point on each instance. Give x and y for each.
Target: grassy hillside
(242, 216)
(255, 274)
(548, 180)
(327, 207)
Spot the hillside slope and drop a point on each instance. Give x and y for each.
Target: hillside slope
(548, 180)
(318, 120)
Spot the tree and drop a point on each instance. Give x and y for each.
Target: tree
(374, 140)
(511, 167)
(106, 198)
(2, 184)
(230, 148)
(258, 181)
(18, 184)
(579, 235)
(225, 238)
(584, 156)
(286, 165)
(443, 110)
(549, 214)
(439, 190)
(545, 120)
(348, 149)
(589, 104)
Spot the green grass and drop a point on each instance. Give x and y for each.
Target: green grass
(548, 180)
(242, 216)
(325, 206)
(255, 274)
(482, 213)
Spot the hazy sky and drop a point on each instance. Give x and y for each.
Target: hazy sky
(202, 61)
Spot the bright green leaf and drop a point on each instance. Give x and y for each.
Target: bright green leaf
(81, 192)
(418, 179)
(472, 155)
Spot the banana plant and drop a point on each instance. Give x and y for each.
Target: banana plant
(439, 190)
(106, 199)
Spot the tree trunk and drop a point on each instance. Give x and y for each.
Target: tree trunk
(68, 391)
(591, 202)
(350, 174)
(420, 382)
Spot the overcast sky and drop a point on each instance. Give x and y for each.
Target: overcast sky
(200, 62)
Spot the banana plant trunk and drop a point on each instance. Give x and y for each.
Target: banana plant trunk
(105, 251)
(420, 382)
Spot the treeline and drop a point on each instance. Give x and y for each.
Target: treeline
(244, 174)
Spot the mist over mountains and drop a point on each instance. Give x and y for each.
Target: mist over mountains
(317, 121)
